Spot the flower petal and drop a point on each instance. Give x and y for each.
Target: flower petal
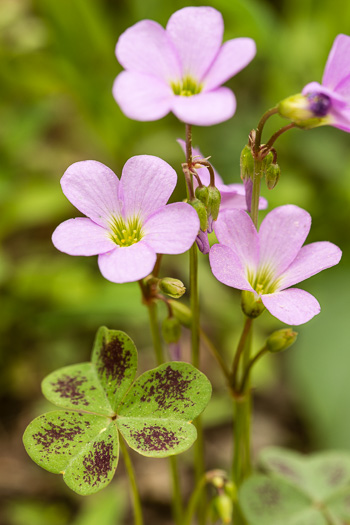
(81, 236)
(337, 66)
(172, 229)
(146, 185)
(146, 48)
(142, 97)
(341, 119)
(127, 264)
(197, 35)
(281, 235)
(227, 267)
(292, 306)
(233, 56)
(311, 259)
(205, 109)
(93, 189)
(234, 228)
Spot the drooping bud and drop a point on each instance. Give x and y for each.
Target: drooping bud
(202, 194)
(202, 241)
(171, 330)
(281, 340)
(231, 490)
(307, 111)
(251, 304)
(201, 212)
(214, 202)
(272, 175)
(182, 313)
(223, 506)
(247, 163)
(172, 287)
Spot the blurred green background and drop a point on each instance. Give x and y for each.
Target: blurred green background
(56, 74)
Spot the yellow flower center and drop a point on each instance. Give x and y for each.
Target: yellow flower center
(125, 233)
(263, 281)
(186, 87)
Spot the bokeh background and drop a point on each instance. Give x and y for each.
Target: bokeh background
(56, 73)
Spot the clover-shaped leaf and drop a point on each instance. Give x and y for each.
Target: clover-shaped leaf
(100, 400)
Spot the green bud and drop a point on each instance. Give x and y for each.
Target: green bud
(272, 175)
(247, 163)
(214, 202)
(172, 287)
(201, 212)
(281, 340)
(171, 330)
(251, 304)
(268, 160)
(202, 194)
(223, 506)
(182, 313)
(297, 109)
(231, 490)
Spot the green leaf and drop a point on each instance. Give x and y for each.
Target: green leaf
(340, 505)
(115, 358)
(157, 437)
(77, 387)
(272, 501)
(82, 447)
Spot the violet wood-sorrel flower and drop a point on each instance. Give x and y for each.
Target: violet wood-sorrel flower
(180, 68)
(269, 262)
(128, 221)
(329, 102)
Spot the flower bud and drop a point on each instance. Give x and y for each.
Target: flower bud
(172, 287)
(201, 212)
(214, 202)
(231, 490)
(251, 304)
(202, 194)
(272, 175)
(223, 506)
(307, 111)
(247, 163)
(182, 313)
(281, 340)
(171, 330)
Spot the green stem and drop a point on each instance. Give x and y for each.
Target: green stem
(240, 350)
(157, 343)
(256, 191)
(260, 127)
(216, 355)
(194, 501)
(249, 367)
(189, 144)
(278, 133)
(138, 519)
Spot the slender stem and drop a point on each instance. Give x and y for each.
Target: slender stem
(249, 367)
(210, 169)
(256, 191)
(138, 519)
(260, 127)
(157, 343)
(194, 500)
(216, 355)
(189, 144)
(278, 133)
(240, 349)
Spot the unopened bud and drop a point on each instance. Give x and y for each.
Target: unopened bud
(231, 490)
(272, 175)
(182, 313)
(171, 330)
(223, 506)
(251, 304)
(281, 340)
(214, 202)
(202, 194)
(247, 163)
(201, 212)
(172, 287)
(305, 110)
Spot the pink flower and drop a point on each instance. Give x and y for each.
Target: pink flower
(128, 221)
(180, 68)
(269, 262)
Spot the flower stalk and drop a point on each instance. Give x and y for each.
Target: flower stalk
(138, 518)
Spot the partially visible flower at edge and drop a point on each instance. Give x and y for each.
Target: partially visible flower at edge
(327, 103)
(232, 195)
(180, 68)
(268, 262)
(128, 221)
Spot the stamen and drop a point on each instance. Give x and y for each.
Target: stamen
(125, 233)
(186, 87)
(319, 104)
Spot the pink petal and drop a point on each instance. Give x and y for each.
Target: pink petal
(146, 48)
(205, 109)
(172, 229)
(233, 56)
(93, 189)
(227, 267)
(142, 97)
(81, 236)
(311, 259)
(292, 306)
(341, 119)
(281, 235)
(146, 185)
(338, 100)
(338, 66)
(197, 35)
(234, 228)
(127, 264)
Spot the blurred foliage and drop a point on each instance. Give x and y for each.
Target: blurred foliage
(56, 108)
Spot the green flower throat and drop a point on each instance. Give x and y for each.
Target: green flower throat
(186, 87)
(125, 233)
